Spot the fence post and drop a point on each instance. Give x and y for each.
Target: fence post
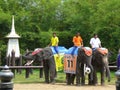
(117, 73)
(6, 76)
(13, 60)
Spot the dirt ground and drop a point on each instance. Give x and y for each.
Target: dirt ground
(60, 86)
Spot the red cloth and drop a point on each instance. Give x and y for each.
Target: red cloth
(88, 52)
(102, 51)
(36, 51)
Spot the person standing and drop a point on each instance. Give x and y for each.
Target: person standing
(118, 60)
(54, 43)
(95, 42)
(77, 41)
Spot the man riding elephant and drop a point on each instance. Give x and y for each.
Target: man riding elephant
(99, 60)
(95, 42)
(72, 52)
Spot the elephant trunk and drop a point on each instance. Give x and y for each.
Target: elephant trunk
(107, 72)
(28, 57)
(91, 74)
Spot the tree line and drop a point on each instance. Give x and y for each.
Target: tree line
(36, 20)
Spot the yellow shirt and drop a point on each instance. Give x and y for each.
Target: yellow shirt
(54, 41)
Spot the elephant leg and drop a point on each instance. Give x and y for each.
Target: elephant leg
(72, 78)
(82, 75)
(41, 70)
(103, 76)
(90, 82)
(78, 74)
(53, 72)
(95, 80)
(90, 76)
(68, 78)
(46, 71)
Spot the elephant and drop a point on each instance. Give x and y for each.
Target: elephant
(74, 65)
(84, 58)
(100, 62)
(49, 66)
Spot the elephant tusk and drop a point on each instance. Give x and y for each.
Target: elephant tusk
(29, 63)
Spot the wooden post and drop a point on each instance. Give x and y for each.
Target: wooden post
(13, 60)
(27, 73)
(8, 59)
(20, 64)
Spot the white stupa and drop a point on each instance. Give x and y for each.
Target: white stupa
(13, 42)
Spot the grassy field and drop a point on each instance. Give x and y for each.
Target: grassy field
(34, 78)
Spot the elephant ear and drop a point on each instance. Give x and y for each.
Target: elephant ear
(103, 51)
(87, 50)
(36, 51)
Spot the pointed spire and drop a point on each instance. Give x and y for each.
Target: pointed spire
(13, 27)
(13, 34)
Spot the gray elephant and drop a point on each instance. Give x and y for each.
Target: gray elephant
(45, 55)
(100, 62)
(84, 58)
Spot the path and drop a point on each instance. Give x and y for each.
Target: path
(60, 86)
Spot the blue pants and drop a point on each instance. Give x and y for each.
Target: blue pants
(73, 51)
(56, 49)
(93, 49)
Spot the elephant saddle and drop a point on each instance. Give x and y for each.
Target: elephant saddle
(103, 51)
(36, 51)
(87, 50)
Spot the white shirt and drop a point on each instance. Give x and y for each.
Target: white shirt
(95, 42)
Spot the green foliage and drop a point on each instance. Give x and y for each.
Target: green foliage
(35, 20)
(30, 38)
(65, 39)
(45, 39)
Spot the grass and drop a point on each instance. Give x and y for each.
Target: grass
(34, 78)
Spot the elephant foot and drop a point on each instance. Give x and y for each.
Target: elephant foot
(78, 84)
(108, 80)
(72, 83)
(47, 82)
(41, 76)
(53, 82)
(102, 84)
(90, 82)
(82, 84)
(68, 83)
(95, 84)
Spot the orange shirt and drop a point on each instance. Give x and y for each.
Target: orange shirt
(77, 41)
